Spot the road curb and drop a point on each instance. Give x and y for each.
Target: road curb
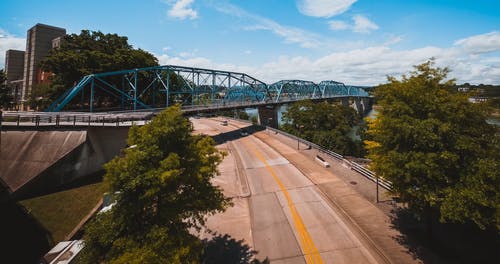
(240, 173)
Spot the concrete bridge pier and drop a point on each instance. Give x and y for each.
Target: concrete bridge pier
(367, 104)
(268, 116)
(359, 106)
(363, 105)
(345, 101)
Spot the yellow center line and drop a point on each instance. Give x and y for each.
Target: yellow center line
(311, 253)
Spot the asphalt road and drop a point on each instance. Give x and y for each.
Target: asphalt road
(277, 210)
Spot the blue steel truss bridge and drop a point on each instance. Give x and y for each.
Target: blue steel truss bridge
(194, 88)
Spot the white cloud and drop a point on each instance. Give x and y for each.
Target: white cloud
(360, 24)
(364, 66)
(477, 44)
(188, 54)
(393, 40)
(201, 62)
(363, 25)
(324, 8)
(290, 34)
(338, 25)
(7, 41)
(182, 10)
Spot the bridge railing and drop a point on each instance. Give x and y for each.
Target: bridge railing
(370, 175)
(41, 120)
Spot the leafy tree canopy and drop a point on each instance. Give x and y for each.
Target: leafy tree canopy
(5, 93)
(437, 148)
(163, 190)
(92, 52)
(325, 124)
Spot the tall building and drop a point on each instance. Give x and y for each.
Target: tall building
(14, 71)
(39, 42)
(14, 65)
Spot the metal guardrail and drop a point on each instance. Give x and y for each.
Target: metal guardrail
(371, 175)
(353, 165)
(37, 120)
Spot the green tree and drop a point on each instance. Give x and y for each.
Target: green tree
(325, 124)
(91, 52)
(254, 120)
(241, 114)
(40, 96)
(5, 92)
(163, 190)
(437, 149)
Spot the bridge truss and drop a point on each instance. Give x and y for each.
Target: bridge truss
(161, 86)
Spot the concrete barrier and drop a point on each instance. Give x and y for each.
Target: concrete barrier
(321, 161)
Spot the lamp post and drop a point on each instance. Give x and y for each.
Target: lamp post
(299, 129)
(269, 121)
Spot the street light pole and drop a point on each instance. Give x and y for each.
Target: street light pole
(299, 128)
(269, 120)
(376, 176)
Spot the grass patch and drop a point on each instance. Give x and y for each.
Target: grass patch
(60, 212)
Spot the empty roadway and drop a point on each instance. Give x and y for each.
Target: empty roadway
(277, 210)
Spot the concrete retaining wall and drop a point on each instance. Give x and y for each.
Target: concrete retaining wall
(37, 162)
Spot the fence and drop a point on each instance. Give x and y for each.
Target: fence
(40, 120)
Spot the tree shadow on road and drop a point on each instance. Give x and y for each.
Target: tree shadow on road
(237, 133)
(224, 249)
(445, 243)
(412, 236)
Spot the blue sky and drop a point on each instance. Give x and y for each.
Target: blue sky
(355, 42)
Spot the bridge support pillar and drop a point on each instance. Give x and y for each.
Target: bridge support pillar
(345, 101)
(268, 116)
(367, 104)
(359, 106)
